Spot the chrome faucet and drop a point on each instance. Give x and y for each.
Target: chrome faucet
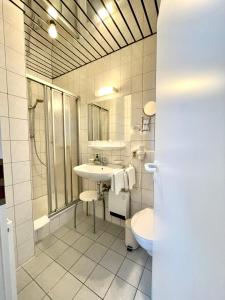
(98, 160)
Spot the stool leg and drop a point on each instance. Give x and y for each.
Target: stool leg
(87, 208)
(103, 199)
(75, 215)
(94, 213)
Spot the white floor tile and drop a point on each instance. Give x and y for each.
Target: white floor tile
(114, 229)
(122, 235)
(139, 256)
(56, 249)
(31, 292)
(112, 261)
(37, 264)
(120, 290)
(100, 280)
(22, 279)
(68, 258)
(48, 278)
(131, 272)
(146, 282)
(66, 288)
(120, 247)
(83, 227)
(61, 231)
(96, 252)
(106, 239)
(70, 237)
(83, 268)
(94, 236)
(141, 296)
(82, 244)
(47, 242)
(86, 294)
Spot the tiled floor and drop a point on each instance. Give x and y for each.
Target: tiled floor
(77, 264)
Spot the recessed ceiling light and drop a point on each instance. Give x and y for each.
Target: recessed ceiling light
(52, 31)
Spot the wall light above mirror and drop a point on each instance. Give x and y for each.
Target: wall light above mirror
(105, 91)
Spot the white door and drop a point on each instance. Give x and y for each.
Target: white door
(189, 251)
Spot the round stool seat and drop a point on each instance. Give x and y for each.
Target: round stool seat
(88, 196)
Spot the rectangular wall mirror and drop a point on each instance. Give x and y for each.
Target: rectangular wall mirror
(109, 120)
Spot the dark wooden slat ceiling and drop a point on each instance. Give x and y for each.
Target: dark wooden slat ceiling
(87, 31)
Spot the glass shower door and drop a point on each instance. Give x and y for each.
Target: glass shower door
(58, 148)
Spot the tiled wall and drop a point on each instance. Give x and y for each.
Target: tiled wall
(14, 127)
(132, 70)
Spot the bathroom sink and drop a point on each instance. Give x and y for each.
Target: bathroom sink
(94, 172)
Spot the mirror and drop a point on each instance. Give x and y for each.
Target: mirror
(150, 108)
(109, 119)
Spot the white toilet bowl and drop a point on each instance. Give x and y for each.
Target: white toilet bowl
(142, 228)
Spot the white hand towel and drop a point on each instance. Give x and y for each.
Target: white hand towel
(117, 181)
(131, 176)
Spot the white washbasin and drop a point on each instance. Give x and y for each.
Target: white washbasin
(94, 172)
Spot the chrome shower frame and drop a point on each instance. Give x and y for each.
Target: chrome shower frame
(52, 87)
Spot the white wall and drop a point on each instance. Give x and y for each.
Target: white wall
(189, 252)
(14, 127)
(132, 70)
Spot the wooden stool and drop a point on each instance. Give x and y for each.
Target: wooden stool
(88, 196)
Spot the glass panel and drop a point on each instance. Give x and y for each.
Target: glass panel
(58, 148)
(38, 148)
(71, 137)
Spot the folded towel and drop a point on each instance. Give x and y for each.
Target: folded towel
(117, 181)
(131, 176)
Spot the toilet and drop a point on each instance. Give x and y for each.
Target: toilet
(142, 228)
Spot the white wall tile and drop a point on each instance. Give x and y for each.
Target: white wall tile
(6, 151)
(149, 80)
(18, 129)
(2, 40)
(25, 251)
(23, 212)
(2, 56)
(15, 61)
(21, 171)
(3, 105)
(24, 232)
(12, 15)
(22, 192)
(16, 85)
(4, 125)
(20, 151)
(17, 107)
(3, 85)
(14, 38)
(8, 174)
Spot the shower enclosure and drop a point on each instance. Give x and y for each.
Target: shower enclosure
(53, 116)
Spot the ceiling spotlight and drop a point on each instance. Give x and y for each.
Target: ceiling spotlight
(52, 12)
(52, 31)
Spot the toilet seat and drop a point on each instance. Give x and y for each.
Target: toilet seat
(142, 226)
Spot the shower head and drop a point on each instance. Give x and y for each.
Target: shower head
(36, 103)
